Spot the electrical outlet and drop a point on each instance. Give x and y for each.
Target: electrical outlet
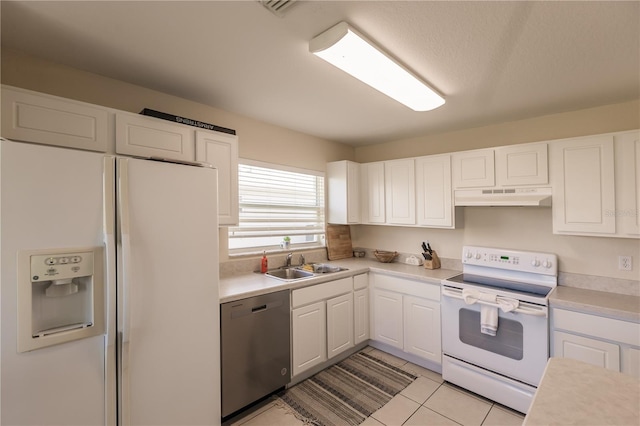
(625, 263)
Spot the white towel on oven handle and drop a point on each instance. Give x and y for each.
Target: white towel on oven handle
(507, 304)
(471, 296)
(488, 320)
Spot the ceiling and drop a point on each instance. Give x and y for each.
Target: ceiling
(493, 61)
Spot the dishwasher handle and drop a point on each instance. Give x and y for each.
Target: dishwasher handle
(243, 309)
(259, 308)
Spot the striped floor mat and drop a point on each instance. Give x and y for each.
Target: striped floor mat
(346, 393)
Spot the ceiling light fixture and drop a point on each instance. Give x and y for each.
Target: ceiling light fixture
(345, 48)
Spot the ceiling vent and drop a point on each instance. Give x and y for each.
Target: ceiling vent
(277, 7)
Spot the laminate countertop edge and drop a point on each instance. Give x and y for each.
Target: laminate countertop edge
(576, 393)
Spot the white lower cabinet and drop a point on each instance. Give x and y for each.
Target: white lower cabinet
(360, 315)
(339, 324)
(321, 322)
(308, 340)
(592, 351)
(605, 342)
(387, 320)
(406, 316)
(421, 324)
(360, 308)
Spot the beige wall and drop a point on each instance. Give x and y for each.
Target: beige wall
(603, 119)
(519, 228)
(257, 140)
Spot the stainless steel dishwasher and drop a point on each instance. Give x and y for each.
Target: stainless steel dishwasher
(255, 349)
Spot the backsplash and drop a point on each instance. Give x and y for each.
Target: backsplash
(593, 282)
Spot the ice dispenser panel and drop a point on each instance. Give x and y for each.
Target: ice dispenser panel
(60, 296)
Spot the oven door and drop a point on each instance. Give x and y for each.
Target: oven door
(519, 349)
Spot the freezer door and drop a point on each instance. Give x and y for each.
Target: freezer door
(51, 198)
(168, 320)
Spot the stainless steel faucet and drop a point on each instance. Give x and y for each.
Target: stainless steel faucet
(302, 261)
(288, 260)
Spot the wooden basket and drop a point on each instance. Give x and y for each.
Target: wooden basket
(385, 256)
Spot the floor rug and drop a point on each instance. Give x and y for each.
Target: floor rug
(346, 393)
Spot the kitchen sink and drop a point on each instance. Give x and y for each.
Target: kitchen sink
(307, 270)
(323, 268)
(289, 274)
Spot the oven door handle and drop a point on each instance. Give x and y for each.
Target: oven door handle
(523, 308)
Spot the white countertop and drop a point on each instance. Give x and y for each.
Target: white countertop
(575, 393)
(612, 305)
(618, 306)
(254, 284)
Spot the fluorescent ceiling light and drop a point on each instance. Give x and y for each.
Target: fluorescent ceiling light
(348, 50)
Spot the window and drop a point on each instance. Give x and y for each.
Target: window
(277, 203)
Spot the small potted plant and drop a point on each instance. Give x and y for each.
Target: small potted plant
(286, 242)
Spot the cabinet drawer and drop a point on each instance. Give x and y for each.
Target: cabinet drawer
(360, 281)
(323, 291)
(405, 286)
(593, 325)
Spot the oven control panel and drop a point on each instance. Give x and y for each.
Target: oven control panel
(515, 260)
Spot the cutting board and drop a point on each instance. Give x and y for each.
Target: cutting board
(339, 242)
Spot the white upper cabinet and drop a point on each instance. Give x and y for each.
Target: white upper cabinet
(372, 193)
(221, 151)
(343, 188)
(143, 136)
(434, 200)
(473, 169)
(35, 117)
(400, 192)
(627, 161)
(506, 166)
(583, 185)
(524, 164)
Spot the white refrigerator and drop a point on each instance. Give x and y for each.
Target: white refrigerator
(108, 289)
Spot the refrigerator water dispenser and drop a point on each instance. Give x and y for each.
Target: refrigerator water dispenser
(60, 296)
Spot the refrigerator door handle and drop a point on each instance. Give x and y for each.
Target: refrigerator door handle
(124, 329)
(123, 209)
(110, 368)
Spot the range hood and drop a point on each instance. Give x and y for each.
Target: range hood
(493, 197)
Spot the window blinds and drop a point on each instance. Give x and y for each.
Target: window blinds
(277, 203)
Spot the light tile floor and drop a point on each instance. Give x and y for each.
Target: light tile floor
(427, 401)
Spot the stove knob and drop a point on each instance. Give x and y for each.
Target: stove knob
(469, 255)
(478, 255)
(535, 263)
(547, 264)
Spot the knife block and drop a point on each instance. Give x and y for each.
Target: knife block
(434, 263)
